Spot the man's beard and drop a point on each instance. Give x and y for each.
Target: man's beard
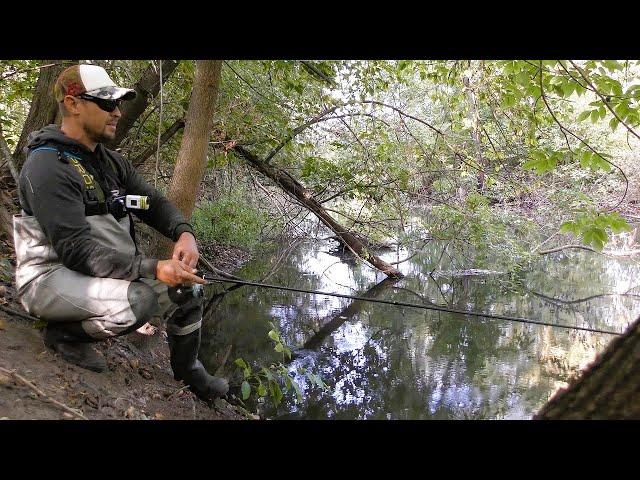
(98, 137)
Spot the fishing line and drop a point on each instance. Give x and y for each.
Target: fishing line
(438, 308)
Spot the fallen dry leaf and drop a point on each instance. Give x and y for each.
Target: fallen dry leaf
(5, 380)
(89, 400)
(159, 416)
(67, 415)
(130, 412)
(3, 325)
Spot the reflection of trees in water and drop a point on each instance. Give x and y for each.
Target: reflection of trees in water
(421, 364)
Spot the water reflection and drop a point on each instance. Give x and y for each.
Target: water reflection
(387, 362)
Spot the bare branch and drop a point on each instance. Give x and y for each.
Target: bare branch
(564, 247)
(46, 397)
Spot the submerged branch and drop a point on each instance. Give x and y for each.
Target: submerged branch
(564, 247)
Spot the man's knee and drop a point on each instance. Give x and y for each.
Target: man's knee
(143, 301)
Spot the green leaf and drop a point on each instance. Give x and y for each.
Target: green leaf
(613, 65)
(568, 227)
(557, 81)
(268, 374)
(241, 363)
(297, 389)
(276, 392)
(584, 115)
(262, 390)
(246, 390)
(601, 235)
(613, 123)
(523, 79)
(274, 336)
(279, 348)
(568, 88)
(602, 111)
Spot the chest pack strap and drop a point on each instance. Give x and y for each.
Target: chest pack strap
(96, 203)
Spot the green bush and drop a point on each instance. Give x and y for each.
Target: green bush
(230, 220)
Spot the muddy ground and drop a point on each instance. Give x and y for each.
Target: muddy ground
(137, 385)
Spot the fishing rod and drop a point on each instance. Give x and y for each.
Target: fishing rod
(198, 290)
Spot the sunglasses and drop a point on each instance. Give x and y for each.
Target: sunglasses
(102, 103)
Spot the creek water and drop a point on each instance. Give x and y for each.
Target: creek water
(386, 362)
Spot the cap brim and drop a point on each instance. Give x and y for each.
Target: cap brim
(113, 93)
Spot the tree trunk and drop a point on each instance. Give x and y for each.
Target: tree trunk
(43, 107)
(608, 389)
(192, 157)
(146, 88)
(296, 190)
(6, 218)
(474, 119)
(8, 158)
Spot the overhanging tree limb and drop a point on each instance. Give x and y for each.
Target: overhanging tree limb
(296, 190)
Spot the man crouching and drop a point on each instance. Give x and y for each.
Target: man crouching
(78, 266)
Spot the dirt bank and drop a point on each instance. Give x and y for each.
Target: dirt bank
(137, 385)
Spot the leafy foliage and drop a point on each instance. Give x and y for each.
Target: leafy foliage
(230, 220)
(274, 381)
(592, 227)
(400, 136)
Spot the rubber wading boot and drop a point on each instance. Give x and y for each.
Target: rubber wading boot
(187, 367)
(184, 331)
(74, 345)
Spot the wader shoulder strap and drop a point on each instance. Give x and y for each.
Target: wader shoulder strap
(96, 203)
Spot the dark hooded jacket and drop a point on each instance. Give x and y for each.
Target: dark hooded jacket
(53, 191)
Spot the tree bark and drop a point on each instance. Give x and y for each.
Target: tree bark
(43, 107)
(6, 214)
(8, 158)
(146, 88)
(296, 190)
(608, 389)
(192, 157)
